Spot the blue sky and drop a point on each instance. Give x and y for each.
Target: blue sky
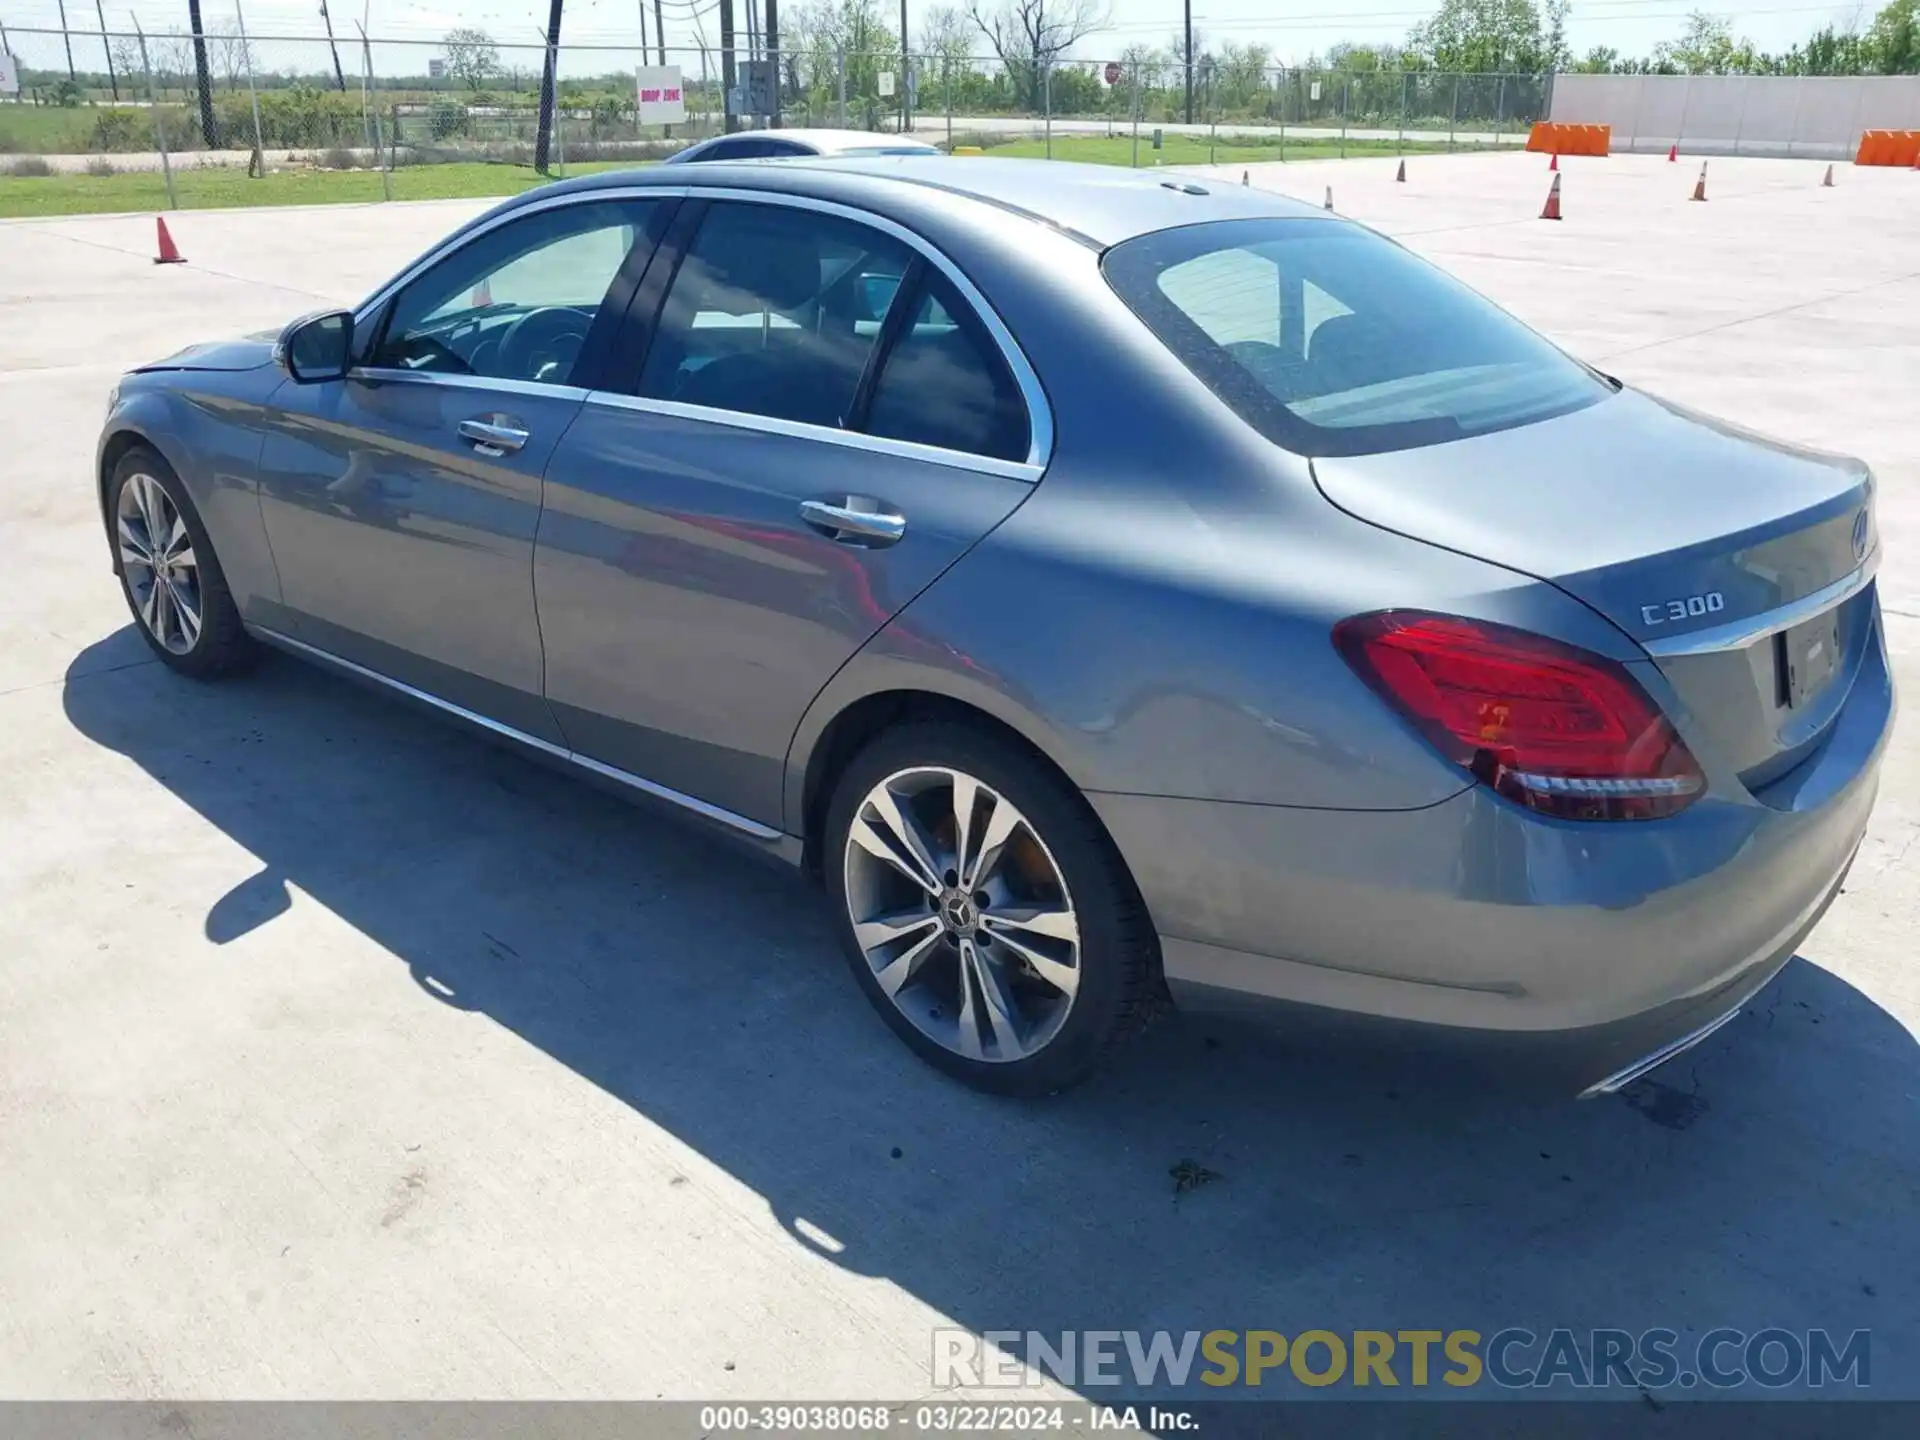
(1291, 28)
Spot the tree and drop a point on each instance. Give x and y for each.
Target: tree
(1515, 36)
(472, 57)
(124, 51)
(1600, 60)
(946, 33)
(1829, 52)
(203, 77)
(1894, 39)
(1030, 36)
(829, 41)
(1363, 58)
(1706, 47)
(233, 57)
(172, 59)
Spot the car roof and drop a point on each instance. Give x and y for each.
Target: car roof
(1100, 205)
(830, 142)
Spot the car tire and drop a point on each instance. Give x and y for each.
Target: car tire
(1110, 964)
(173, 583)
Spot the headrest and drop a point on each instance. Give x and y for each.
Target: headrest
(743, 260)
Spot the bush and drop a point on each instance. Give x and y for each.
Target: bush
(297, 118)
(448, 120)
(32, 167)
(339, 158)
(100, 165)
(120, 130)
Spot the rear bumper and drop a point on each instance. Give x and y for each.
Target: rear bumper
(1560, 947)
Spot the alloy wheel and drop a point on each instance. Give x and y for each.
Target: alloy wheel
(962, 914)
(162, 573)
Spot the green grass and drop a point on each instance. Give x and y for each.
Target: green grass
(216, 188)
(1194, 150)
(223, 188)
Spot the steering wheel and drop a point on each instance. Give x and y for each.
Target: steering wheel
(543, 344)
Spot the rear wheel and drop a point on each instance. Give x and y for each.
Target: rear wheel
(169, 573)
(984, 911)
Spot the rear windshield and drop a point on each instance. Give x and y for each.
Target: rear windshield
(1332, 340)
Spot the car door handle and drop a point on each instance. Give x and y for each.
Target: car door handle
(491, 437)
(854, 520)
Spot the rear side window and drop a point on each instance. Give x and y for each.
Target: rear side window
(772, 313)
(1332, 340)
(944, 382)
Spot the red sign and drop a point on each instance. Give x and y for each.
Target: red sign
(1113, 72)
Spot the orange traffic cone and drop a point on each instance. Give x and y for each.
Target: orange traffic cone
(1551, 210)
(1673, 153)
(1402, 175)
(1329, 204)
(1827, 183)
(1554, 163)
(1700, 185)
(169, 253)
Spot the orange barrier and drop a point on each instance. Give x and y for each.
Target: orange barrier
(1551, 138)
(1889, 147)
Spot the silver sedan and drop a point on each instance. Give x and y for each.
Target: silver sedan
(1114, 589)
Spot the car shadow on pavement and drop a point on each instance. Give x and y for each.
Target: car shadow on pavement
(1217, 1177)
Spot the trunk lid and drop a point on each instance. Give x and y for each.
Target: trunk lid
(1737, 561)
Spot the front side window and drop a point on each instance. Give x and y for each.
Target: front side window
(516, 303)
(945, 383)
(1332, 340)
(773, 312)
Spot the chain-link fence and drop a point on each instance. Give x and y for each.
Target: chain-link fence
(134, 121)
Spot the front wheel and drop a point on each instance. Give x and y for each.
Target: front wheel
(169, 573)
(984, 911)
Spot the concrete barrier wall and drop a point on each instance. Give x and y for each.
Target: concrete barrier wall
(1816, 116)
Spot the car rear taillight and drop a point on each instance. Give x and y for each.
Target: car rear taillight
(1557, 729)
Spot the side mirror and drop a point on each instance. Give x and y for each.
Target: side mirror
(317, 347)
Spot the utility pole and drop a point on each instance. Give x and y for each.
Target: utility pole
(203, 77)
(659, 30)
(67, 35)
(339, 75)
(773, 58)
(1189, 62)
(726, 65)
(549, 82)
(906, 74)
(643, 29)
(106, 45)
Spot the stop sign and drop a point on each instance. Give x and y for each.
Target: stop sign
(1113, 72)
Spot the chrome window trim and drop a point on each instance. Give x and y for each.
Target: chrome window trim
(801, 430)
(1738, 633)
(1039, 413)
(382, 375)
(1040, 432)
(751, 828)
